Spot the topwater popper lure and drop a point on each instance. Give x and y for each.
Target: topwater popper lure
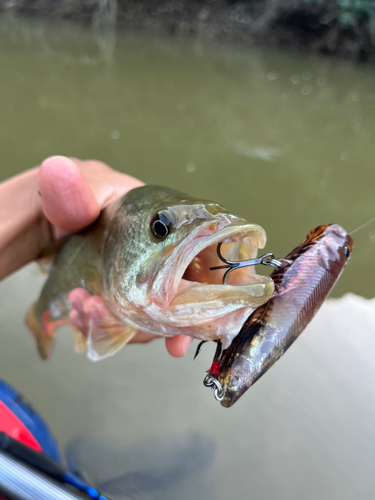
(302, 282)
(145, 264)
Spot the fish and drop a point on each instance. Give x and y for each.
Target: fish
(307, 276)
(148, 259)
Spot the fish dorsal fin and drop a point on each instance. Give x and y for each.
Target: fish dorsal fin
(107, 337)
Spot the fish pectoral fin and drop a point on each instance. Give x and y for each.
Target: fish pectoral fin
(107, 336)
(80, 341)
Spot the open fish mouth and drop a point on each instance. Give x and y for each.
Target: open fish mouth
(195, 294)
(238, 244)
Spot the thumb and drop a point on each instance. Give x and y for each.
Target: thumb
(67, 200)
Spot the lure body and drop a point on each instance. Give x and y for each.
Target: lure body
(301, 286)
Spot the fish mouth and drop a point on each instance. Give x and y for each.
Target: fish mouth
(238, 244)
(190, 265)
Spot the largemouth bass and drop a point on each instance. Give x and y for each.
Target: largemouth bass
(301, 285)
(148, 258)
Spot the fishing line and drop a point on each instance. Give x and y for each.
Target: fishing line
(363, 226)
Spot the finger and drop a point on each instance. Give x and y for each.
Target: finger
(106, 184)
(77, 298)
(77, 321)
(178, 345)
(97, 311)
(67, 199)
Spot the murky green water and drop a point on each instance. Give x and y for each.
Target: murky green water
(285, 140)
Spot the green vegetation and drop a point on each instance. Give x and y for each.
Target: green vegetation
(342, 27)
(350, 12)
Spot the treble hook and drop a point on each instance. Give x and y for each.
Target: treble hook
(199, 348)
(266, 260)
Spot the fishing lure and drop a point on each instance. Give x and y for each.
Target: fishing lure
(308, 274)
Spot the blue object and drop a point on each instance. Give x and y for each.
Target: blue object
(29, 417)
(82, 486)
(49, 461)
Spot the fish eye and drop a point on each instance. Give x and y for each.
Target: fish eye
(160, 226)
(347, 251)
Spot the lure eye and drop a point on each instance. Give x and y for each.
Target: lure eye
(160, 226)
(347, 251)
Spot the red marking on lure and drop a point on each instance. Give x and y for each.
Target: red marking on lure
(215, 368)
